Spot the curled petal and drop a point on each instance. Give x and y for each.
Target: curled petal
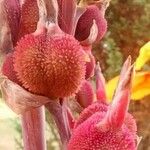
(18, 99)
(85, 23)
(92, 36)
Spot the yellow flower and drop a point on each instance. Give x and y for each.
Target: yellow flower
(144, 56)
(140, 87)
(141, 80)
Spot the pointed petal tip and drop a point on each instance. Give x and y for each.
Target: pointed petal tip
(128, 79)
(97, 68)
(119, 107)
(127, 63)
(100, 85)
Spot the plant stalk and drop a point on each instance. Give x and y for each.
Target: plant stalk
(33, 126)
(59, 113)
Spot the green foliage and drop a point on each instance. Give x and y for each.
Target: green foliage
(128, 22)
(18, 133)
(128, 30)
(114, 58)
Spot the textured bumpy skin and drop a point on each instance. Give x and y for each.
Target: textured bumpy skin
(85, 95)
(108, 127)
(8, 68)
(29, 17)
(86, 20)
(51, 66)
(89, 111)
(88, 137)
(102, 108)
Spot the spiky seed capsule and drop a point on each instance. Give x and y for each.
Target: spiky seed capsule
(53, 66)
(89, 111)
(87, 136)
(86, 20)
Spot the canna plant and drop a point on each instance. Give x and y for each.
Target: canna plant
(107, 126)
(48, 61)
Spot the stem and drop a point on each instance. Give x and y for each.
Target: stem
(58, 112)
(33, 125)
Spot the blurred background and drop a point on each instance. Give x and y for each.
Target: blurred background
(128, 31)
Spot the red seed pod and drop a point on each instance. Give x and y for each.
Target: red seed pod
(29, 17)
(87, 136)
(89, 111)
(53, 66)
(112, 129)
(86, 20)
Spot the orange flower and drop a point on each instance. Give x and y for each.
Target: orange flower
(140, 87)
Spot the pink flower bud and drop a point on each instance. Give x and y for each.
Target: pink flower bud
(86, 20)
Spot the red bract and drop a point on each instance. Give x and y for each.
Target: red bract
(110, 128)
